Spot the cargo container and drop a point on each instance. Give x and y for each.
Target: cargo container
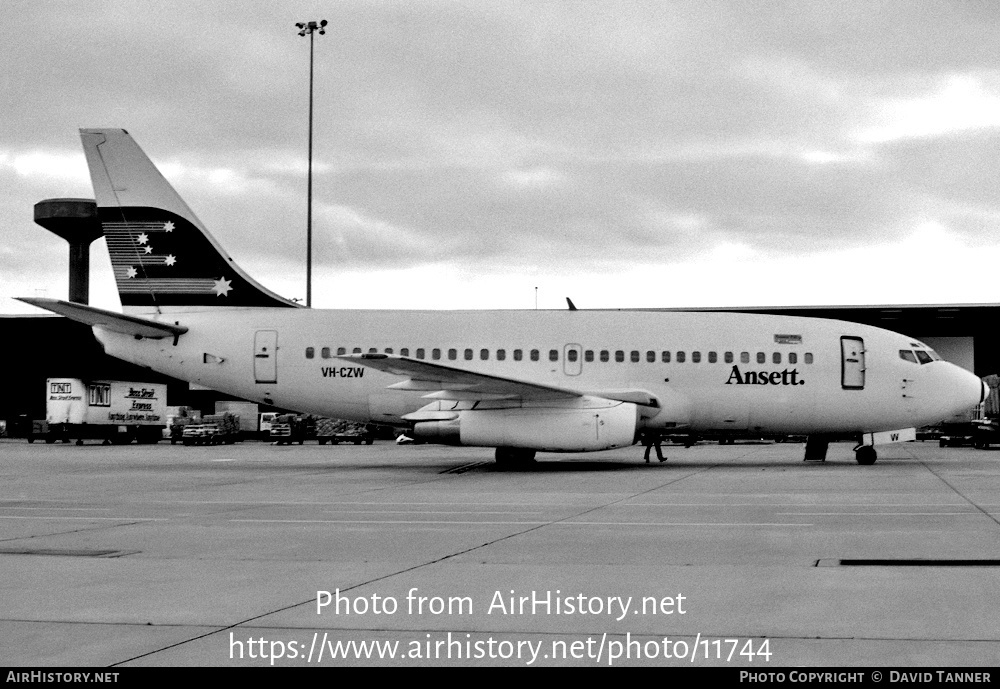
(335, 431)
(114, 411)
(247, 413)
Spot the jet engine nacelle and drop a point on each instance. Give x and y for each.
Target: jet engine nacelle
(552, 430)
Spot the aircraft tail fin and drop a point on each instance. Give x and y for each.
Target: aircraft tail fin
(161, 253)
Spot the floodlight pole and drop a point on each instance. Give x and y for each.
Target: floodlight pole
(309, 28)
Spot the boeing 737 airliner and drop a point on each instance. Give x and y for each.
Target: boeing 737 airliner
(518, 381)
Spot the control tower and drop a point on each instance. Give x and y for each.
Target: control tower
(75, 220)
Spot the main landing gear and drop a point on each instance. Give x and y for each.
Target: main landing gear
(514, 457)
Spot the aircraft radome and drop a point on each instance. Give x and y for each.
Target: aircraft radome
(519, 381)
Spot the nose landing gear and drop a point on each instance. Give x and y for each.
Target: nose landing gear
(865, 455)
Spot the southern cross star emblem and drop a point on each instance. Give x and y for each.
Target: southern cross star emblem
(142, 238)
(170, 260)
(168, 227)
(149, 249)
(221, 287)
(131, 272)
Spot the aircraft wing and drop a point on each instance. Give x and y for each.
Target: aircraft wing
(115, 322)
(448, 383)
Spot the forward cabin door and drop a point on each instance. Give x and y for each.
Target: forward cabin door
(265, 356)
(852, 363)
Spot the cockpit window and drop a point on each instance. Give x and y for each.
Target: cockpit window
(907, 355)
(923, 357)
(934, 355)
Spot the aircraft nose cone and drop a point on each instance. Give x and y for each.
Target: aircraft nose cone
(958, 391)
(973, 389)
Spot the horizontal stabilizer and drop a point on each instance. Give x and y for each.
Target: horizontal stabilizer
(109, 320)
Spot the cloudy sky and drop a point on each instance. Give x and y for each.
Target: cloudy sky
(626, 154)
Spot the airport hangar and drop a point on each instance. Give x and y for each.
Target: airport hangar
(48, 346)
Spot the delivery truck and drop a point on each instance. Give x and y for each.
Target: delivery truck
(115, 411)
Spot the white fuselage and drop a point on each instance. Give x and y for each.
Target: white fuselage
(808, 382)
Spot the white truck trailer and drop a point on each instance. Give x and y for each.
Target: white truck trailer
(114, 411)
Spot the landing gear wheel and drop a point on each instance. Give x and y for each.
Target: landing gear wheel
(514, 457)
(865, 455)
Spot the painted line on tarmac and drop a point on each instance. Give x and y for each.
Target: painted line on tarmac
(73, 509)
(513, 523)
(433, 512)
(89, 519)
(879, 514)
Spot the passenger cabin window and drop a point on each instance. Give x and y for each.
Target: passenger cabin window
(572, 355)
(712, 357)
(619, 356)
(518, 354)
(776, 357)
(761, 357)
(325, 353)
(468, 355)
(534, 355)
(695, 357)
(665, 357)
(728, 357)
(681, 357)
(605, 355)
(388, 350)
(793, 358)
(356, 350)
(452, 354)
(484, 354)
(405, 351)
(651, 356)
(588, 355)
(310, 352)
(373, 350)
(420, 352)
(553, 355)
(341, 351)
(501, 354)
(435, 353)
(907, 355)
(809, 358)
(744, 357)
(634, 357)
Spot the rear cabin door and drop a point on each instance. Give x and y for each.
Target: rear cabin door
(265, 356)
(852, 363)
